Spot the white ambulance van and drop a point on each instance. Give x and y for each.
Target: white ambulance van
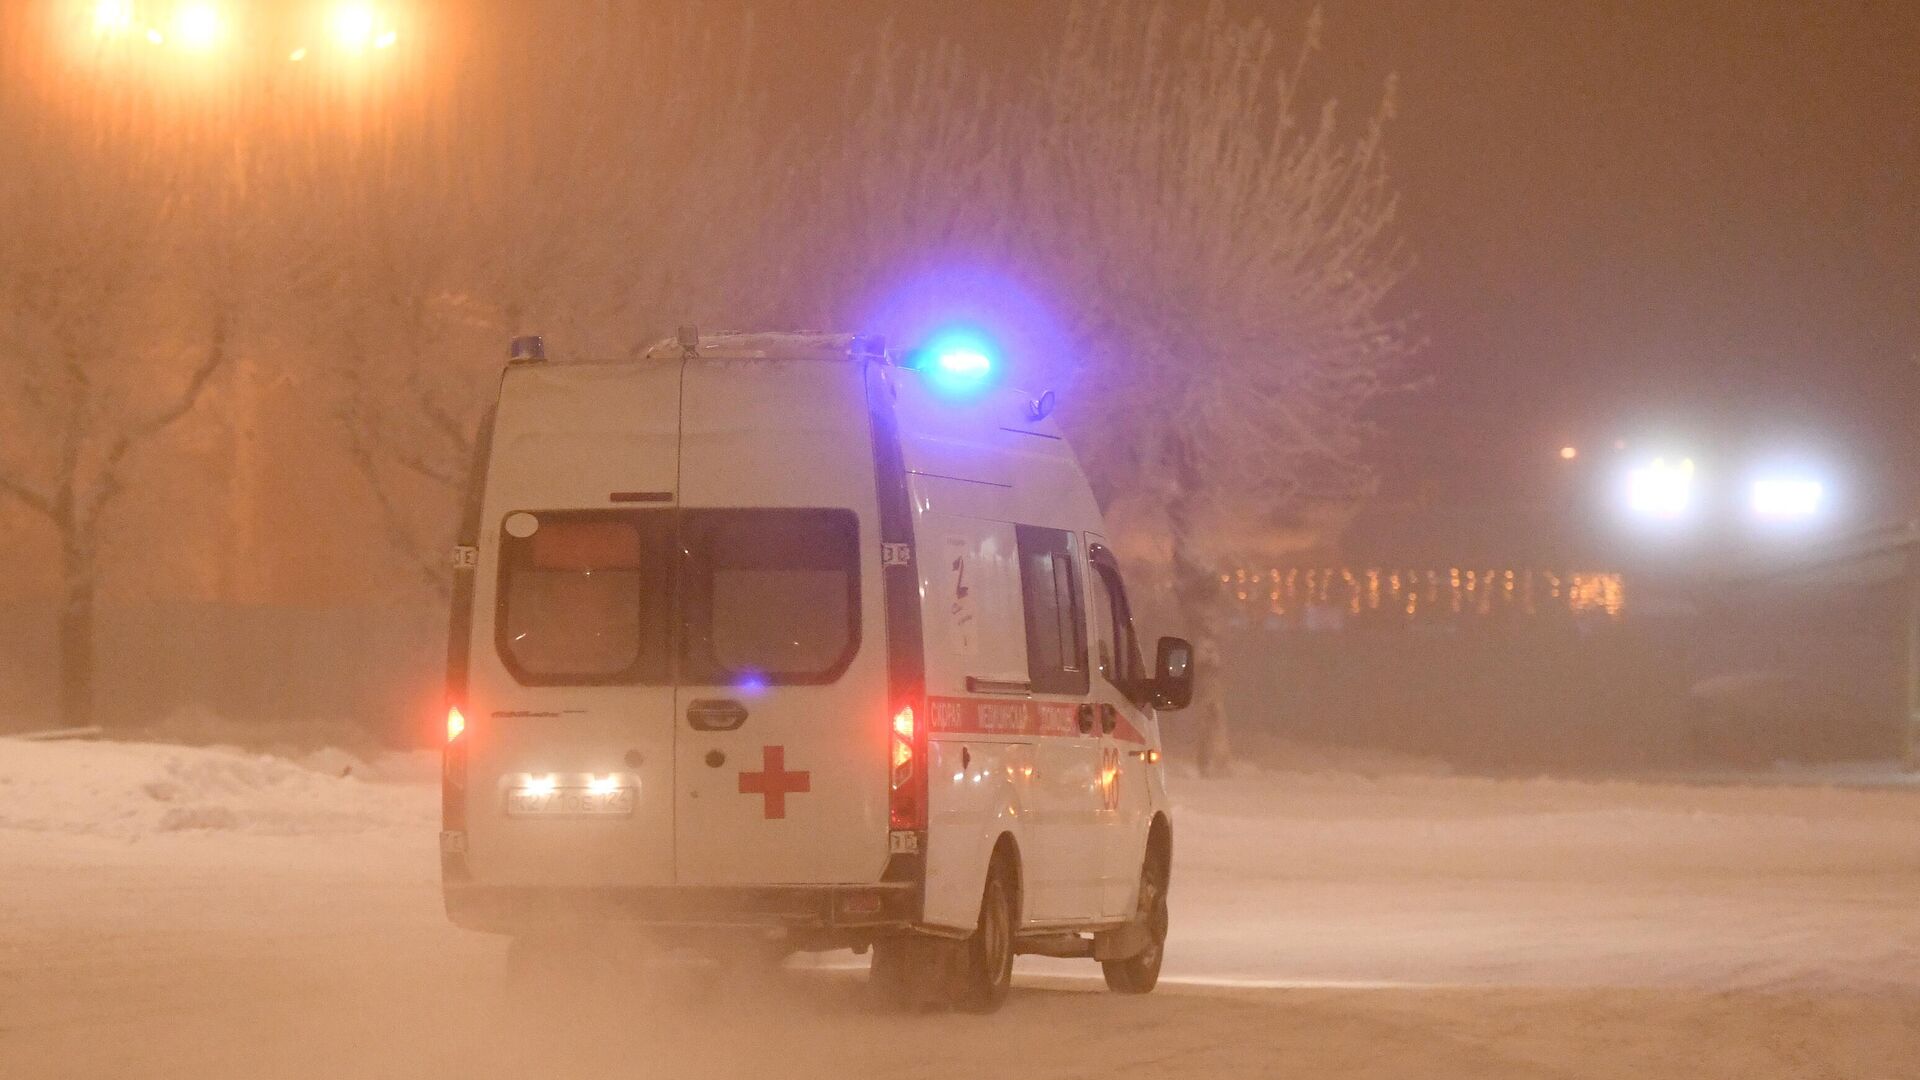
(777, 636)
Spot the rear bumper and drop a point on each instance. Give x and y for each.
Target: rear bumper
(860, 910)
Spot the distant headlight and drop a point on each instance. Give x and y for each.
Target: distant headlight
(1786, 498)
(1661, 489)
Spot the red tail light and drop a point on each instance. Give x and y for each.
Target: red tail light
(906, 804)
(453, 772)
(902, 747)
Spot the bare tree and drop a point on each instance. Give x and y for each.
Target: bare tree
(108, 343)
(1232, 252)
(1222, 247)
(599, 210)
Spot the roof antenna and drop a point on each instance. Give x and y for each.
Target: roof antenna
(689, 342)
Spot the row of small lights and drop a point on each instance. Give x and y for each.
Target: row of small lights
(1454, 588)
(202, 26)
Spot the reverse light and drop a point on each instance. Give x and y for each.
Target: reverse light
(456, 722)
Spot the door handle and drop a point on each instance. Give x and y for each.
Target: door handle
(712, 715)
(1083, 716)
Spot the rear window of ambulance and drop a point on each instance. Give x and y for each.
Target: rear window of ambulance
(769, 595)
(584, 598)
(742, 596)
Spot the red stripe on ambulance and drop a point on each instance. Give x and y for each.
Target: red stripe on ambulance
(985, 716)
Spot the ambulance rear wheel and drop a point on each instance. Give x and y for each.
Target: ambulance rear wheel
(986, 970)
(1138, 974)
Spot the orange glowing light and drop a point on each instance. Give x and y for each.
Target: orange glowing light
(198, 26)
(353, 25)
(112, 16)
(1568, 453)
(456, 723)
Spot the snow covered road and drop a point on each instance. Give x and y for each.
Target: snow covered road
(208, 914)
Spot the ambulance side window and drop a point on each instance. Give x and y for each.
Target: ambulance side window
(1116, 649)
(1055, 616)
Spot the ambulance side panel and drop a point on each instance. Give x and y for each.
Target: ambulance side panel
(970, 583)
(1004, 762)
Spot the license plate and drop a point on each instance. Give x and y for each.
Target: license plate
(566, 802)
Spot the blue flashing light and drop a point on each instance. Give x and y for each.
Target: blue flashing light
(964, 363)
(957, 364)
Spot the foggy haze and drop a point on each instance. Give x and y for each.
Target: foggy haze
(1359, 539)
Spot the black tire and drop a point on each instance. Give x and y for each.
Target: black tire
(1140, 973)
(986, 968)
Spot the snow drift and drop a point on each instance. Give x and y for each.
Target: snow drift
(138, 789)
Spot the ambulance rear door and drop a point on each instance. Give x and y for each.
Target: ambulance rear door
(569, 696)
(781, 693)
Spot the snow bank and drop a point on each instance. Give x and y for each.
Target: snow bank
(139, 789)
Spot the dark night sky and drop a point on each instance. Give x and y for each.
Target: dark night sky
(1660, 219)
(1685, 220)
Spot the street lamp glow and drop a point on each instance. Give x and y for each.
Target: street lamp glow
(1785, 498)
(197, 26)
(354, 25)
(112, 16)
(1661, 489)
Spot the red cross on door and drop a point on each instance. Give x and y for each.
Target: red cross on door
(773, 782)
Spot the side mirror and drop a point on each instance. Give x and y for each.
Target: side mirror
(1172, 687)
